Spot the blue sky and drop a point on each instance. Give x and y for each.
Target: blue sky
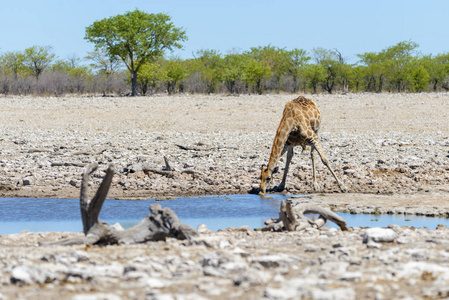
(351, 26)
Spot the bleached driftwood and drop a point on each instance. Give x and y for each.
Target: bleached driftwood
(162, 222)
(294, 219)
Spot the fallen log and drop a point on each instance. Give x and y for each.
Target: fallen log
(294, 219)
(160, 224)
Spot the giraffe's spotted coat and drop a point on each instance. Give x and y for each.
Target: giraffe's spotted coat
(299, 127)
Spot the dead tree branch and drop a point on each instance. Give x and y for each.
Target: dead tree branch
(67, 164)
(167, 165)
(162, 222)
(192, 148)
(168, 170)
(294, 219)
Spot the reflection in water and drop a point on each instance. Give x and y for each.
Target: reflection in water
(217, 212)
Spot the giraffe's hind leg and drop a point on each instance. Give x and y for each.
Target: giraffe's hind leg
(316, 186)
(317, 146)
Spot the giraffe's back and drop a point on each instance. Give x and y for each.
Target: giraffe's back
(306, 112)
(307, 119)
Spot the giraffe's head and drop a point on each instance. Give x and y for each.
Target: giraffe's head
(264, 179)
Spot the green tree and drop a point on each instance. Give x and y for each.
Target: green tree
(314, 74)
(437, 67)
(211, 68)
(344, 72)
(61, 66)
(136, 38)
(174, 72)
(13, 62)
(374, 70)
(296, 64)
(329, 60)
(150, 76)
(356, 80)
(103, 63)
(79, 75)
(37, 59)
(399, 59)
(254, 72)
(419, 79)
(276, 59)
(233, 70)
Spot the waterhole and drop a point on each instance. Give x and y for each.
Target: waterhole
(217, 212)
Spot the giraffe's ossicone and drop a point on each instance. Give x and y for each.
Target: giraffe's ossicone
(299, 126)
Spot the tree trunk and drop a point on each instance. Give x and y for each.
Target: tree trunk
(133, 83)
(381, 82)
(435, 82)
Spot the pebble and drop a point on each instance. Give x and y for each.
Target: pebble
(377, 234)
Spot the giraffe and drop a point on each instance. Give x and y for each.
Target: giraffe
(299, 126)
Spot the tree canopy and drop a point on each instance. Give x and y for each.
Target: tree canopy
(136, 38)
(263, 69)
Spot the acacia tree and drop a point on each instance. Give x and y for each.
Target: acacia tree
(374, 69)
(437, 67)
(174, 72)
(13, 62)
(211, 67)
(136, 38)
(150, 76)
(400, 59)
(105, 64)
(419, 78)
(254, 72)
(37, 59)
(329, 60)
(233, 70)
(314, 74)
(276, 59)
(297, 62)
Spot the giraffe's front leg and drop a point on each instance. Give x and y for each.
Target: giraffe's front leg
(290, 154)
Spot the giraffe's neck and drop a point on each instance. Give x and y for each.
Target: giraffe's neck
(281, 137)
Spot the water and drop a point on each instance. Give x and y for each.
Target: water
(217, 212)
(364, 220)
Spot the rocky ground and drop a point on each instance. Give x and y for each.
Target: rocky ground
(390, 150)
(379, 144)
(233, 264)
